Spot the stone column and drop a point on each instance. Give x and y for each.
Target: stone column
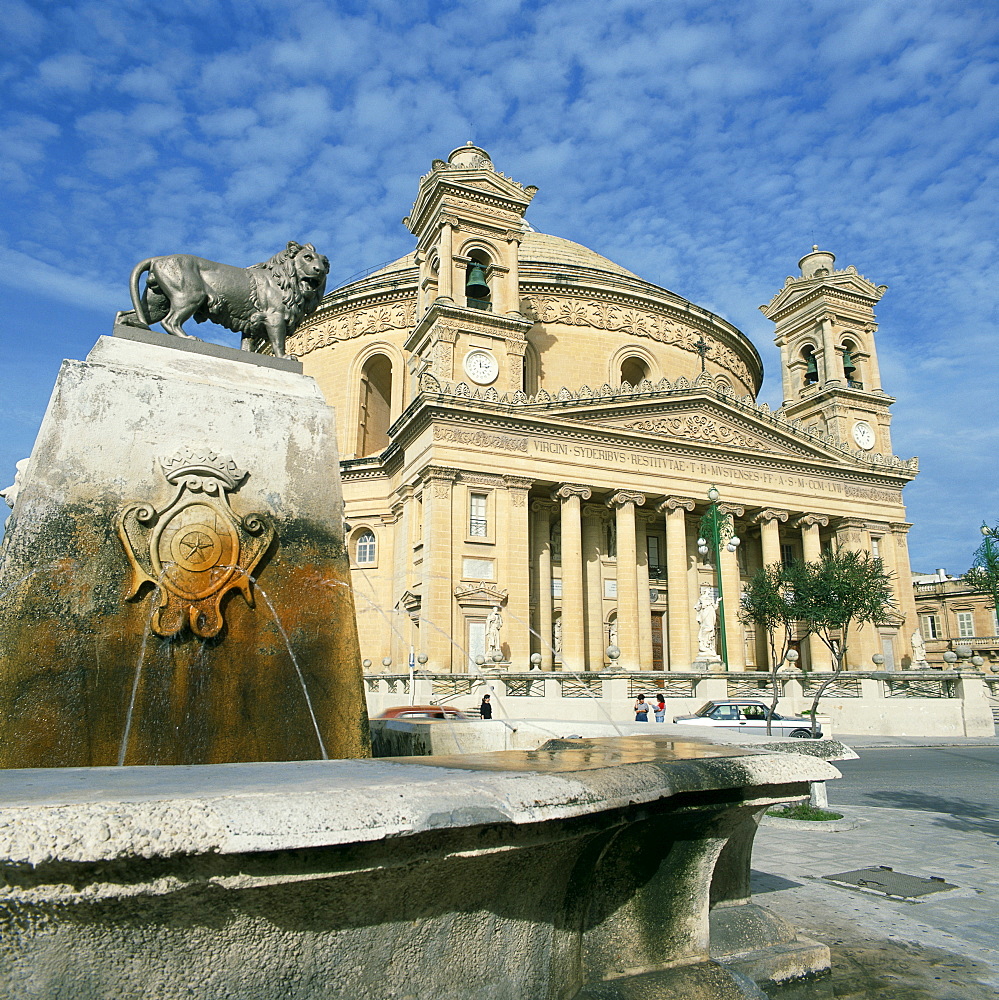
(904, 594)
(445, 273)
(515, 351)
(832, 372)
(811, 547)
(594, 518)
(732, 591)
(511, 298)
(542, 556)
(435, 609)
(853, 535)
(675, 510)
(573, 634)
(644, 604)
(624, 503)
(769, 522)
(873, 372)
(515, 558)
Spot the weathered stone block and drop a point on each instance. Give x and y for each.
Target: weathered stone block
(174, 587)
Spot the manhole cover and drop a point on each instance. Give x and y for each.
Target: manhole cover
(881, 878)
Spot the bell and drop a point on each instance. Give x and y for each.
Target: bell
(848, 366)
(475, 283)
(811, 369)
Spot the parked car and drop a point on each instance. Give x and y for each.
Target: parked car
(748, 715)
(423, 713)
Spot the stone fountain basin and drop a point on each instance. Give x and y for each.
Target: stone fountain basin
(517, 874)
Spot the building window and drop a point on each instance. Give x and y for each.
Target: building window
(786, 554)
(653, 548)
(366, 549)
(876, 546)
(375, 414)
(634, 371)
(478, 523)
(930, 625)
(965, 624)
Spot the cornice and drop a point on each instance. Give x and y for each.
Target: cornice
(506, 421)
(769, 424)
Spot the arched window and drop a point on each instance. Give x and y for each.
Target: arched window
(376, 405)
(477, 291)
(365, 549)
(851, 366)
(811, 366)
(634, 371)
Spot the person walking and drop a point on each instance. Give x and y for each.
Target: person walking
(486, 708)
(659, 708)
(641, 709)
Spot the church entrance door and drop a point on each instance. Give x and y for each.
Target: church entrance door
(657, 640)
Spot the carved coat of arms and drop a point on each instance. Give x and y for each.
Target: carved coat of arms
(197, 549)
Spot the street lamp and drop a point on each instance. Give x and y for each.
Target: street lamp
(716, 529)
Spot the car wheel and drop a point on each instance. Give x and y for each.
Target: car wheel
(801, 734)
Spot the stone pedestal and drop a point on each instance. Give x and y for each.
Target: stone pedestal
(174, 587)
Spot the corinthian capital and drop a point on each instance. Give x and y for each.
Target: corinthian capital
(567, 490)
(623, 497)
(674, 503)
(807, 520)
(769, 514)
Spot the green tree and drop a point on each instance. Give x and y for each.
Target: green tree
(768, 606)
(843, 590)
(983, 577)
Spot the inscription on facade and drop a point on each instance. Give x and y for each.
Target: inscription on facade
(480, 439)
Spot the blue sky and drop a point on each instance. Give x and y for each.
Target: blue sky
(703, 145)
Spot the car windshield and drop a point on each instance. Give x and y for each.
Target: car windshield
(705, 710)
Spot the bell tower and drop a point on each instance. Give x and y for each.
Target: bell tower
(468, 220)
(829, 362)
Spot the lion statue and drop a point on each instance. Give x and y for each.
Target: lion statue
(265, 303)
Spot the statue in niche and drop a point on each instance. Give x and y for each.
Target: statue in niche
(918, 651)
(494, 625)
(612, 632)
(706, 610)
(557, 638)
(264, 303)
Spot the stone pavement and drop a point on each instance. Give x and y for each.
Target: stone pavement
(945, 945)
(916, 741)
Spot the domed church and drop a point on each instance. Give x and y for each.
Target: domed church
(529, 434)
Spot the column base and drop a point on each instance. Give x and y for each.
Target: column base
(707, 662)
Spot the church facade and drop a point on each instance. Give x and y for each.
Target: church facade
(529, 434)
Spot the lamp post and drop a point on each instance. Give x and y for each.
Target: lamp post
(715, 530)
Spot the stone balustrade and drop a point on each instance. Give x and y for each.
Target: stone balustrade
(900, 703)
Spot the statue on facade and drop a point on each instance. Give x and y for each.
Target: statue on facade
(557, 638)
(612, 633)
(706, 610)
(494, 625)
(918, 651)
(264, 303)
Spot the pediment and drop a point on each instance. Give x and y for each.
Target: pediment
(488, 184)
(834, 284)
(711, 422)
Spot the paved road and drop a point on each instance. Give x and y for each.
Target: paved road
(962, 781)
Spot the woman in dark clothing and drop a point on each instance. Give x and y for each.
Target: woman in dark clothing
(486, 709)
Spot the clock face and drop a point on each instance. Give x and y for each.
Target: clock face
(863, 434)
(481, 367)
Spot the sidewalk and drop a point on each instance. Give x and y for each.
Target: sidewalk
(942, 946)
(916, 741)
